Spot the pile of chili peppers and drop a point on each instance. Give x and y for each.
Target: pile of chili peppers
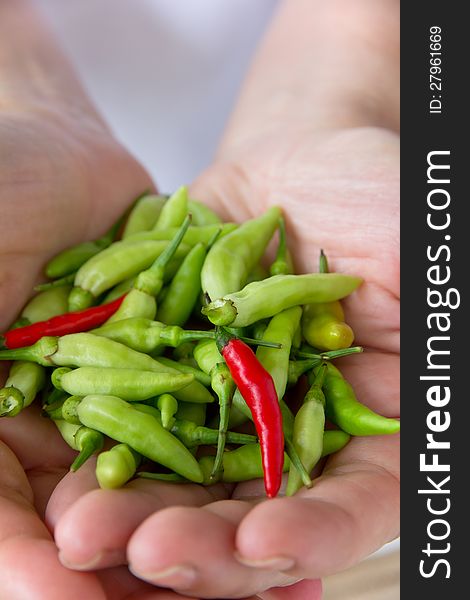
(136, 335)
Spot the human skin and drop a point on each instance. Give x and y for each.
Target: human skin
(315, 130)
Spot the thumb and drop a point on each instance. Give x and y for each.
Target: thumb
(28, 556)
(229, 190)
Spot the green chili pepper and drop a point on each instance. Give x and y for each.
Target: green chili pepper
(144, 215)
(146, 335)
(324, 326)
(258, 329)
(27, 379)
(115, 264)
(193, 435)
(175, 209)
(47, 304)
(184, 289)
(298, 367)
(257, 274)
(168, 407)
(119, 290)
(191, 411)
(282, 264)
(128, 384)
(297, 339)
(140, 301)
(233, 257)
(83, 439)
(202, 214)
(236, 461)
(266, 298)
(116, 466)
(53, 396)
(20, 322)
(199, 375)
(194, 235)
(11, 401)
(308, 431)
(344, 410)
(280, 329)
(184, 350)
(211, 362)
(66, 410)
(67, 280)
(333, 441)
(236, 418)
(241, 464)
(88, 350)
(323, 323)
(196, 435)
(24, 381)
(73, 258)
(122, 422)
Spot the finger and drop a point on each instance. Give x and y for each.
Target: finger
(30, 569)
(195, 552)
(35, 440)
(352, 510)
(72, 487)
(24, 434)
(94, 530)
(28, 557)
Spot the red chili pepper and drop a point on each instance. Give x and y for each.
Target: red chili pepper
(257, 388)
(72, 322)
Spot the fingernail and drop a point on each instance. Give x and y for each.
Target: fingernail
(178, 576)
(274, 563)
(77, 566)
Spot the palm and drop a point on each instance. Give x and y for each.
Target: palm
(347, 208)
(62, 181)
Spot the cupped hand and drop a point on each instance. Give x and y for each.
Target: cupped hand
(220, 543)
(63, 179)
(336, 179)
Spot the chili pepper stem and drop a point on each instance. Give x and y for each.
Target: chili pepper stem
(151, 280)
(331, 354)
(225, 394)
(323, 266)
(320, 376)
(66, 280)
(295, 460)
(84, 454)
(38, 352)
(80, 299)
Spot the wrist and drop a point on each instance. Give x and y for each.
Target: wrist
(36, 79)
(322, 65)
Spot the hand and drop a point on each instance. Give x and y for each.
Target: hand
(63, 179)
(339, 192)
(339, 163)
